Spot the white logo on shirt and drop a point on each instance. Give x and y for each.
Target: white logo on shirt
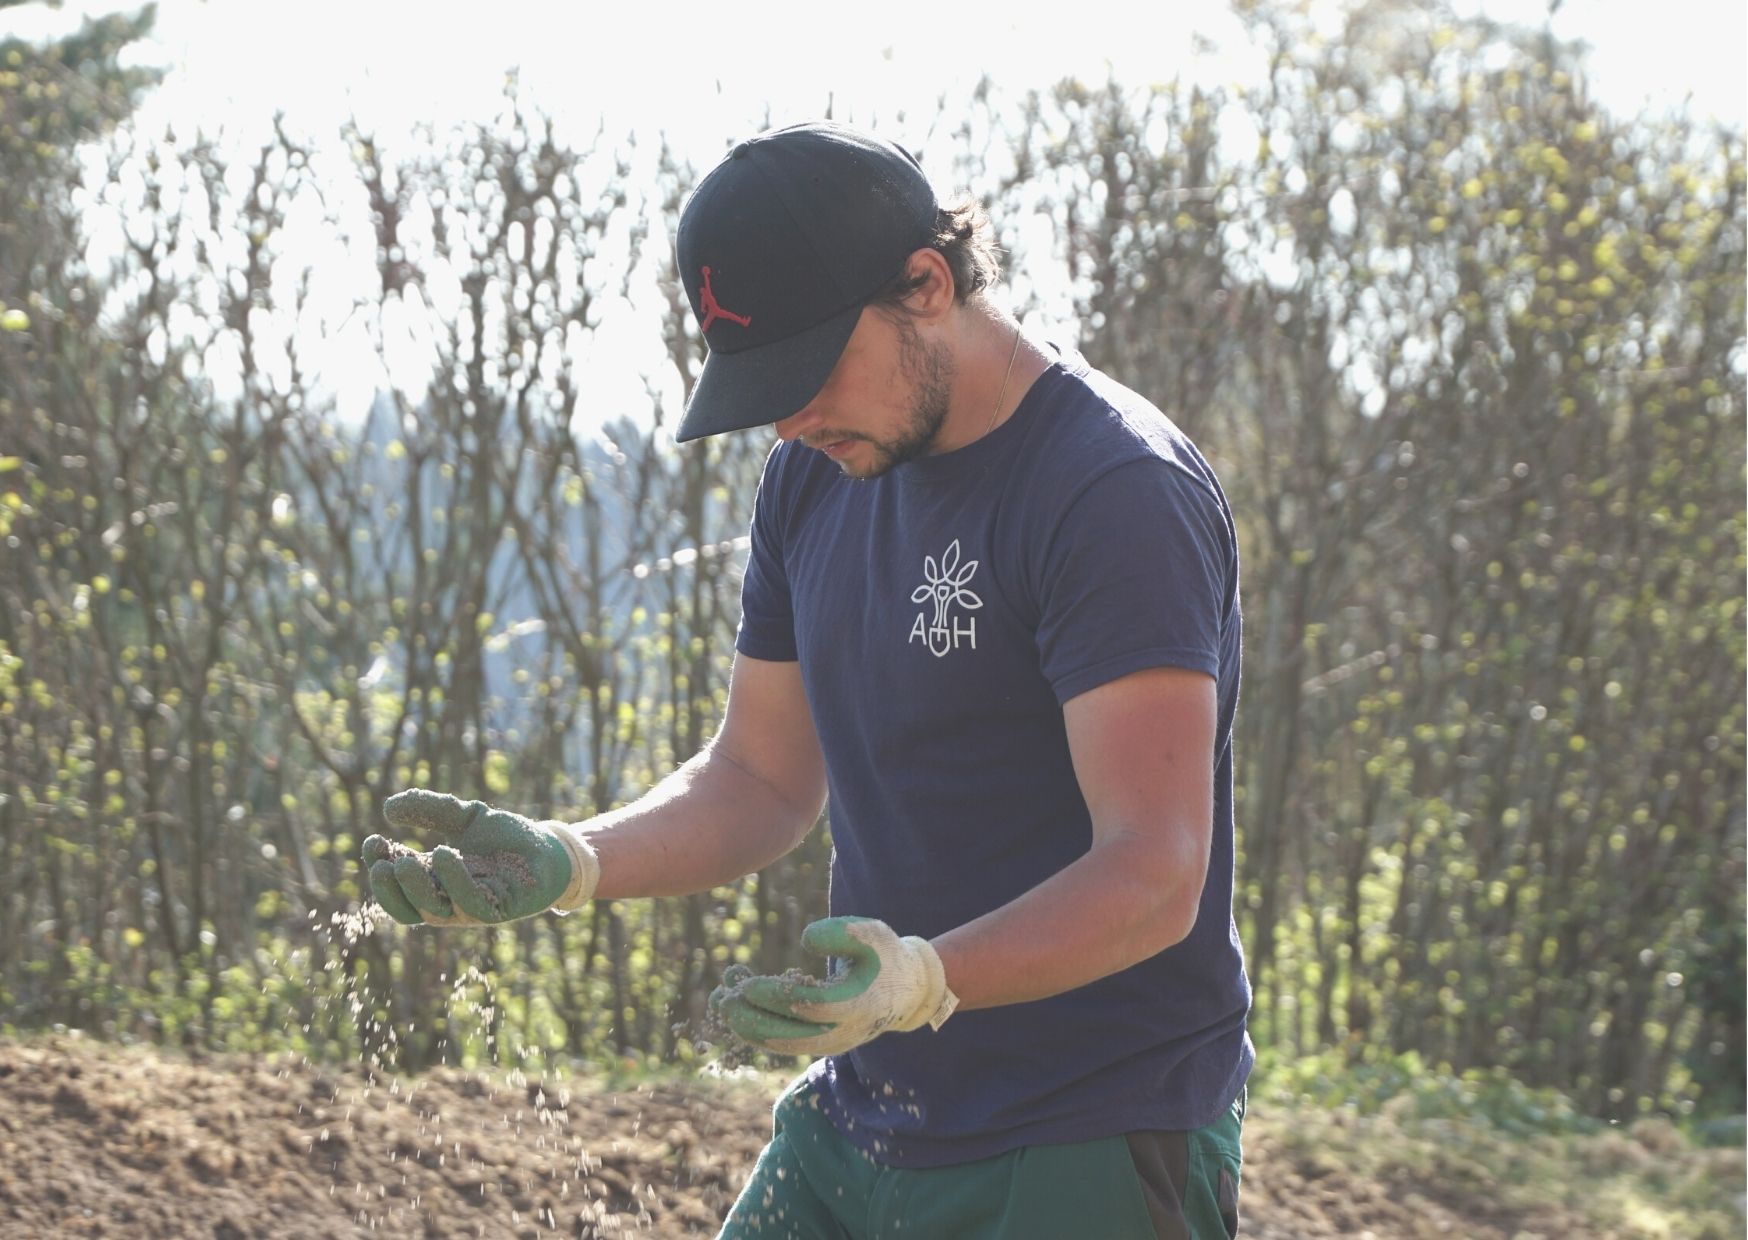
(943, 586)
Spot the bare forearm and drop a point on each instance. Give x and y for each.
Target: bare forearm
(710, 822)
(1114, 907)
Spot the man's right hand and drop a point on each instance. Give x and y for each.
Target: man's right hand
(496, 866)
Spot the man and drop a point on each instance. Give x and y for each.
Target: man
(991, 606)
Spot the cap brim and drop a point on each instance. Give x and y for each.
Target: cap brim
(756, 387)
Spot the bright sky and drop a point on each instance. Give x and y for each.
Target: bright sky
(705, 72)
(697, 68)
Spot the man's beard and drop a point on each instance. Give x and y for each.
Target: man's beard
(930, 372)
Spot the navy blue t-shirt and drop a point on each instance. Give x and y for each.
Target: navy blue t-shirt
(942, 615)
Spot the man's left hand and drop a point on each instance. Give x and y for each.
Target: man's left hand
(885, 983)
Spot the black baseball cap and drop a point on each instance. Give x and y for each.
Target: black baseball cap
(780, 247)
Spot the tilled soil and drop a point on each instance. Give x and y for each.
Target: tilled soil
(110, 1141)
(124, 1142)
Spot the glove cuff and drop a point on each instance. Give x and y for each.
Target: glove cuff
(938, 1002)
(585, 867)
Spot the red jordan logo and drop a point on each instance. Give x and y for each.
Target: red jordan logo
(712, 311)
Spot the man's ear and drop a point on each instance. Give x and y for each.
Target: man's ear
(934, 295)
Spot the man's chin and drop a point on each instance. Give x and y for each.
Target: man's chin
(865, 460)
(866, 472)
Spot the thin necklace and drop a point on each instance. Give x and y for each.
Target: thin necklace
(1006, 375)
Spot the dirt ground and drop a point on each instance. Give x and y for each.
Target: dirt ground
(123, 1142)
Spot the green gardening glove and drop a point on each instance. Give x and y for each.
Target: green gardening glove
(885, 983)
(497, 866)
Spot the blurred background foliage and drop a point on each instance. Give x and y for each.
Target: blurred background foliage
(1466, 350)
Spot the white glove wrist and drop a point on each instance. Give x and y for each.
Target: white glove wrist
(585, 867)
(936, 1002)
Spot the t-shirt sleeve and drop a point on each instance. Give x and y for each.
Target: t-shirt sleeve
(767, 617)
(1137, 574)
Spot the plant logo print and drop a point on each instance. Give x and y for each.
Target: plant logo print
(944, 587)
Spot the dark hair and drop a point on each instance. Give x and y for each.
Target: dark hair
(964, 237)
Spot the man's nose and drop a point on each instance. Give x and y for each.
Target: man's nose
(798, 423)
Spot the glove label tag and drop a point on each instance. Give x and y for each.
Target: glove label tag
(949, 1003)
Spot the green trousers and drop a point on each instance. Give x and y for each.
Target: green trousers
(810, 1183)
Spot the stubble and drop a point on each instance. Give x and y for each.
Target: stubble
(929, 371)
